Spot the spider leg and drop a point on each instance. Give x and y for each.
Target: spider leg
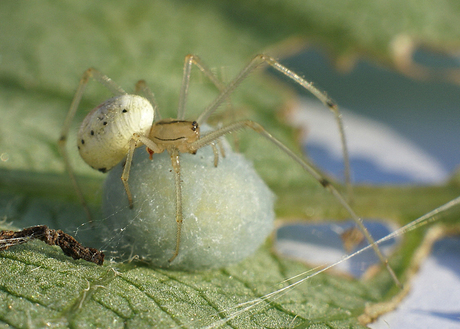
(221, 147)
(133, 144)
(189, 61)
(174, 153)
(264, 59)
(62, 142)
(126, 170)
(141, 87)
(216, 154)
(212, 136)
(217, 146)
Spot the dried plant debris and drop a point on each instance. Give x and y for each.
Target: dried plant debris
(66, 242)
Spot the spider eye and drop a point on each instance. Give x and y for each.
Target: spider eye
(194, 125)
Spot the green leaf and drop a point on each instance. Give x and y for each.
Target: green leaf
(40, 286)
(45, 48)
(349, 28)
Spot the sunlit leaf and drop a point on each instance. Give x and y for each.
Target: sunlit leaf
(45, 48)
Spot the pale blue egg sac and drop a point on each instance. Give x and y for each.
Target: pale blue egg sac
(228, 211)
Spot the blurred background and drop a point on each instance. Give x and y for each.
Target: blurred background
(392, 66)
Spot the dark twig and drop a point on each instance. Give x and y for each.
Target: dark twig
(67, 243)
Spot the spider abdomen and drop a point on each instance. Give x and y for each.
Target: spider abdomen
(105, 134)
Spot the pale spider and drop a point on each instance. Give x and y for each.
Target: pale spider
(113, 130)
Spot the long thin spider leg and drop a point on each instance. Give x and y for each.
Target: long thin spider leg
(62, 142)
(176, 166)
(212, 136)
(63, 138)
(135, 141)
(141, 86)
(261, 59)
(126, 170)
(330, 104)
(189, 61)
(184, 87)
(216, 154)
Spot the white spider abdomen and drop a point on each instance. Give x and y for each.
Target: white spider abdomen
(105, 134)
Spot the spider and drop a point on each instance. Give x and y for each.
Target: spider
(113, 130)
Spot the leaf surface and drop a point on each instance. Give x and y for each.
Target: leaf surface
(46, 46)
